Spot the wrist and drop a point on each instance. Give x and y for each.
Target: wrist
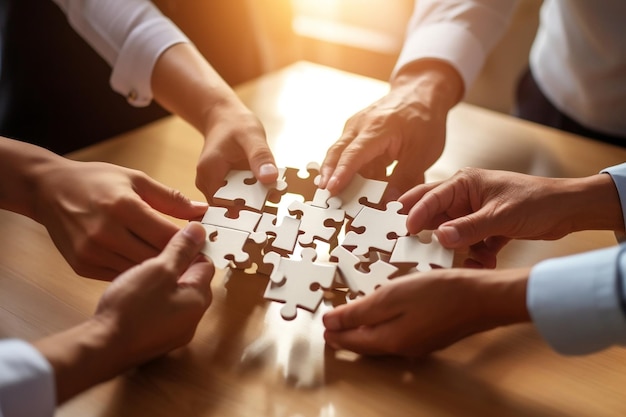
(436, 81)
(82, 357)
(595, 203)
(500, 297)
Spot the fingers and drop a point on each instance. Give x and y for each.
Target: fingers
(363, 340)
(184, 247)
(197, 279)
(365, 311)
(167, 200)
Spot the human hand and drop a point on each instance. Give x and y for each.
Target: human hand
(235, 140)
(104, 218)
(417, 314)
(408, 125)
(149, 310)
(485, 209)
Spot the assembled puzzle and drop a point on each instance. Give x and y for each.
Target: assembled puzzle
(308, 242)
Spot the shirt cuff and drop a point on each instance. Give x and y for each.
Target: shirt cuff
(618, 174)
(574, 301)
(26, 381)
(447, 42)
(132, 72)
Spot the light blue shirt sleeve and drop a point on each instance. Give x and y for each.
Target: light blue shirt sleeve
(575, 302)
(26, 381)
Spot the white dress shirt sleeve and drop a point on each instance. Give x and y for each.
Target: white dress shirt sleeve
(130, 35)
(26, 381)
(460, 32)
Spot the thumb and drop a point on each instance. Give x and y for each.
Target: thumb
(168, 200)
(184, 247)
(467, 230)
(261, 161)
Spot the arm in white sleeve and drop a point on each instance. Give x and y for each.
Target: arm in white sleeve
(130, 35)
(26, 381)
(576, 302)
(460, 32)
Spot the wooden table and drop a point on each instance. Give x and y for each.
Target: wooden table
(505, 372)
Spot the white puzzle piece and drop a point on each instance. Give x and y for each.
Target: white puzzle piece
(378, 228)
(218, 216)
(361, 188)
(285, 234)
(292, 282)
(414, 250)
(361, 282)
(317, 222)
(224, 245)
(243, 187)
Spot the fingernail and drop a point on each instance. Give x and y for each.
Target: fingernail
(332, 183)
(195, 232)
(332, 323)
(268, 170)
(199, 204)
(449, 234)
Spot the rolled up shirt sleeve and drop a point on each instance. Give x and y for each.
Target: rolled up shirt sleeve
(459, 32)
(130, 35)
(26, 381)
(576, 301)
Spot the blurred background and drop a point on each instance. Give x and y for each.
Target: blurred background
(50, 75)
(360, 36)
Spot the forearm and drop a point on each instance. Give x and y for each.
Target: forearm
(81, 357)
(185, 83)
(500, 298)
(23, 164)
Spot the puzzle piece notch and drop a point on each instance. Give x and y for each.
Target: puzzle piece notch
(316, 222)
(423, 250)
(361, 282)
(224, 245)
(359, 192)
(379, 229)
(243, 188)
(298, 283)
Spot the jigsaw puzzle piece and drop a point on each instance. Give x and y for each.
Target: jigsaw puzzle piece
(317, 222)
(361, 282)
(380, 229)
(224, 245)
(360, 189)
(243, 188)
(424, 251)
(285, 234)
(219, 216)
(298, 283)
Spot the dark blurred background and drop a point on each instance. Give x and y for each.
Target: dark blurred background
(54, 89)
